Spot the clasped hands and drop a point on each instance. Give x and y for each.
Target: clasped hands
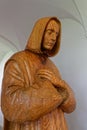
(49, 75)
(59, 84)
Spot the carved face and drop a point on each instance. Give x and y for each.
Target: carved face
(50, 35)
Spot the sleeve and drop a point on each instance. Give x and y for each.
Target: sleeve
(20, 103)
(69, 103)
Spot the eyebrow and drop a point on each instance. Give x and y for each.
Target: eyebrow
(52, 30)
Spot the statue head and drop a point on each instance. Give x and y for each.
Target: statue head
(45, 36)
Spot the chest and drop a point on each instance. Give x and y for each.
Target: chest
(41, 63)
(35, 63)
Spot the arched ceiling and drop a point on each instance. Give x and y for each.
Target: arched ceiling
(17, 18)
(5, 47)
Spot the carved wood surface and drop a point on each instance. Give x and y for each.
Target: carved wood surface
(34, 95)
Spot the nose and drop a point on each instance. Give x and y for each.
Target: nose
(53, 38)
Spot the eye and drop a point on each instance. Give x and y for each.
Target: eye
(49, 32)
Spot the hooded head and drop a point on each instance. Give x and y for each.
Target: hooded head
(35, 40)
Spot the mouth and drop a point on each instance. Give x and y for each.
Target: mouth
(51, 44)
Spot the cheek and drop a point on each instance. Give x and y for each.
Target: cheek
(46, 37)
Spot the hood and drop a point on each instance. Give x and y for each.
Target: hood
(36, 36)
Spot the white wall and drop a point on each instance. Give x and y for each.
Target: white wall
(72, 63)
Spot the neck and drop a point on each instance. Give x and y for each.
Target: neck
(43, 58)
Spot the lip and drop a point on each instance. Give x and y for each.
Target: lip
(50, 44)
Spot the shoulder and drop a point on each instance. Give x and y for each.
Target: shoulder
(17, 55)
(17, 58)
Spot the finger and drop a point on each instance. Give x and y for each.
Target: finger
(45, 72)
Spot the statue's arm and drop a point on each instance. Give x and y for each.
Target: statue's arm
(69, 103)
(20, 103)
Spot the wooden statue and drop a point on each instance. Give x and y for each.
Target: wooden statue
(34, 96)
